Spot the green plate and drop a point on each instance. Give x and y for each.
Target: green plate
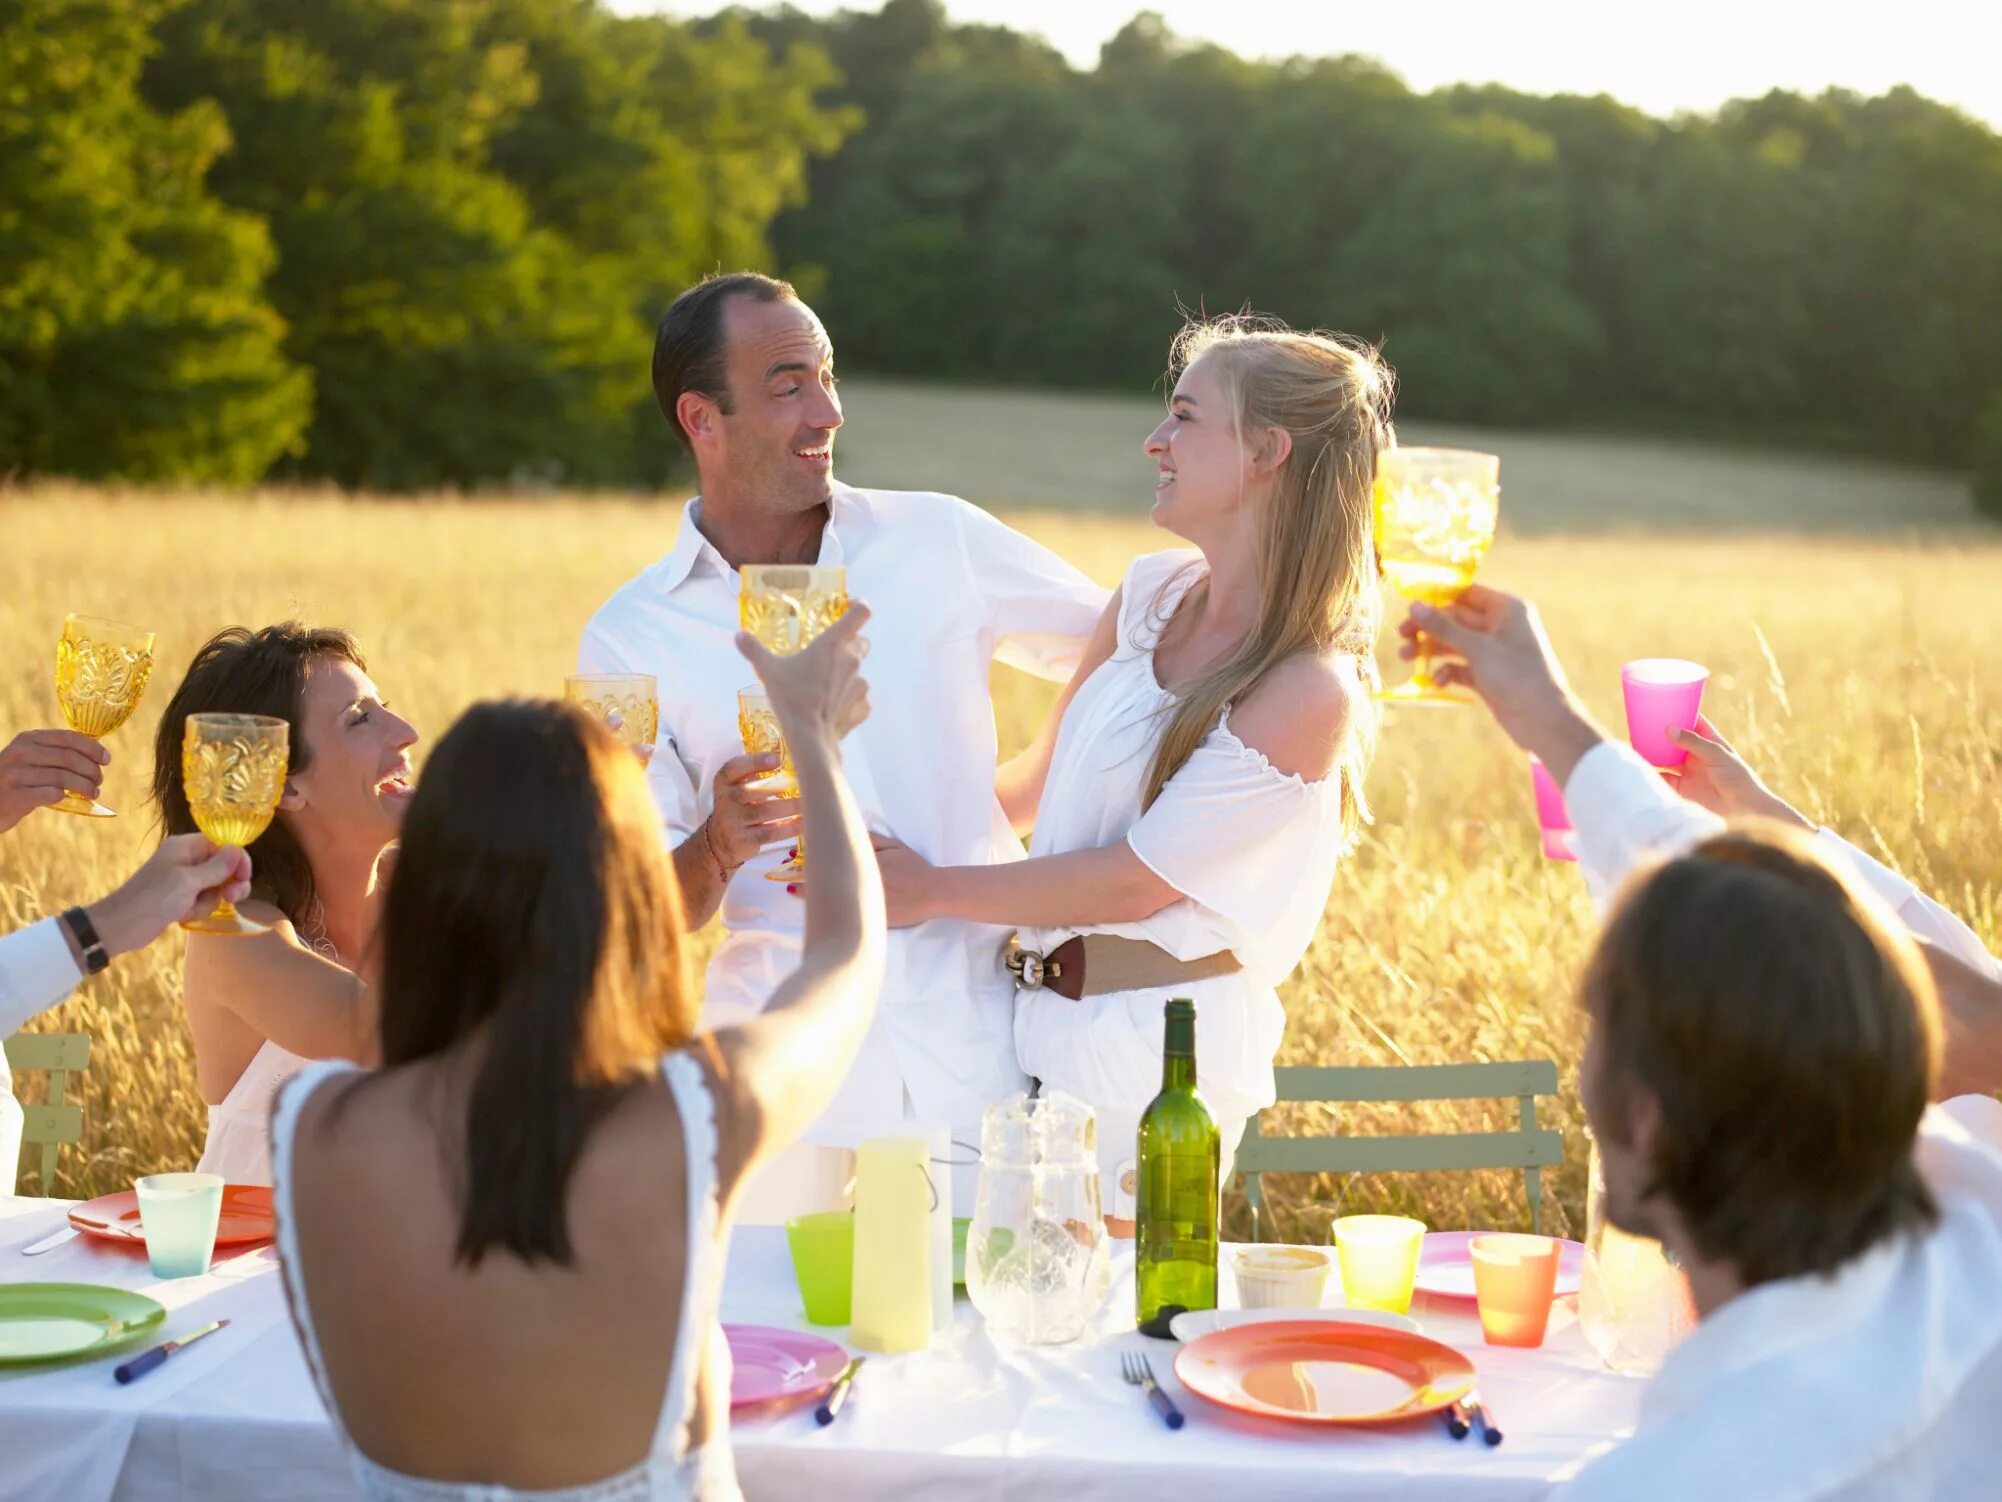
(54, 1321)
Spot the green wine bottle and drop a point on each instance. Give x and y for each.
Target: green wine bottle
(1175, 1210)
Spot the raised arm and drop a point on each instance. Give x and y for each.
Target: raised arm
(42, 963)
(1018, 783)
(281, 990)
(1039, 610)
(777, 1072)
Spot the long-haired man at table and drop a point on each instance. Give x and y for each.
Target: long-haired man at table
(1765, 1037)
(744, 374)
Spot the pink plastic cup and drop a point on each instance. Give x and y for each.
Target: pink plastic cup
(1559, 842)
(1663, 694)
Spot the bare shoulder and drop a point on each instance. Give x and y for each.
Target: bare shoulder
(227, 959)
(1298, 716)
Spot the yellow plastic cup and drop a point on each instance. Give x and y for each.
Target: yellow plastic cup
(823, 1261)
(1379, 1259)
(1515, 1279)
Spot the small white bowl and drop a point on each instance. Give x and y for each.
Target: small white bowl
(1281, 1277)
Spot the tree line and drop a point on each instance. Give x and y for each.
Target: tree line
(398, 243)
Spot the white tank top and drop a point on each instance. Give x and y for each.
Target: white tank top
(239, 1141)
(672, 1471)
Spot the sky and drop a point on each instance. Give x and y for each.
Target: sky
(1663, 57)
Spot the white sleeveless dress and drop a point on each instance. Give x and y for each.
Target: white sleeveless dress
(1252, 849)
(672, 1471)
(239, 1140)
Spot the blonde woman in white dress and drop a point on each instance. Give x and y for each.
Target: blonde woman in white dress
(504, 1248)
(261, 1007)
(1201, 777)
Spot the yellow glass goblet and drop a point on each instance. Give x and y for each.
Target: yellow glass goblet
(1435, 512)
(627, 704)
(786, 605)
(758, 723)
(233, 766)
(101, 670)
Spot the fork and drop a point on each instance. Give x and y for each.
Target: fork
(1139, 1371)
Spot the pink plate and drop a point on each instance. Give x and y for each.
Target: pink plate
(767, 1363)
(1446, 1267)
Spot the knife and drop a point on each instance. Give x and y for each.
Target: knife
(50, 1242)
(827, 1411)
(139, 1366)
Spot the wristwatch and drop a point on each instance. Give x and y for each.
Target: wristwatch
(94, 957)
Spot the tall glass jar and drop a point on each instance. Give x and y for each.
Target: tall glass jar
(1037, 1264)
(1633, 1303)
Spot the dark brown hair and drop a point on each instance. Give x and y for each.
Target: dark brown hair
(1791, 1037)
(240, 671)
(533, 907)
(690, 352)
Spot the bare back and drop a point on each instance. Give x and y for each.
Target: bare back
(529, 1377)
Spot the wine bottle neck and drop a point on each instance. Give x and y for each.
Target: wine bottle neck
(1178, 1071)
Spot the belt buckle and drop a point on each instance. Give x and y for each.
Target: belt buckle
(1028, 968)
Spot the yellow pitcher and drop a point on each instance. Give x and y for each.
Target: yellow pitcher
(892, 1303)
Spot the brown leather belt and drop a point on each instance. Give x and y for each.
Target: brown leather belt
(1099, 964)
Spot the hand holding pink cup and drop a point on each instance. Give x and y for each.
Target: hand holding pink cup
(1662, 694)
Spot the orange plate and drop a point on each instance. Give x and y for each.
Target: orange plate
(246, 1216)
(1314, 1372)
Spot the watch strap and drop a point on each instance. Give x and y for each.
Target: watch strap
(94, 957)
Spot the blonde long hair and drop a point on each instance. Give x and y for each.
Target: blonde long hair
(1313, 551)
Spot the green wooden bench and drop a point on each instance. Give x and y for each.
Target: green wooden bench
(50, 1125)
(1528, 1147)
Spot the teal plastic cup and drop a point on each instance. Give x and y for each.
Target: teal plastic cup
(823, 1260)
(179, 1213)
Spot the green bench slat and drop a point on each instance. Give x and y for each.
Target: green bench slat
(1409, 1082)
(51, 1124)
(48, 1051)
(1450, 1151)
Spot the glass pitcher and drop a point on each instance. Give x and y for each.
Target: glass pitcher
(1633, 1303)
(1037, 1264)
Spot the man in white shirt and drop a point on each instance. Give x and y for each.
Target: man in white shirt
(1763, 1043)
(744, 374)
(41, 964)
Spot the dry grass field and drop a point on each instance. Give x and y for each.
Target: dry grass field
(1860, 671)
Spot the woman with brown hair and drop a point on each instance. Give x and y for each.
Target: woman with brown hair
(504, 1248)
(260, 1007)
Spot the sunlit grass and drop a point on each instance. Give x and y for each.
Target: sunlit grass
(1861, 675)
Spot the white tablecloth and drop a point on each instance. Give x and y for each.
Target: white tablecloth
(235, 1418)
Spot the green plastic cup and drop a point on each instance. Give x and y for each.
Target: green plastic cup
(179, 1213)
(823, 1260)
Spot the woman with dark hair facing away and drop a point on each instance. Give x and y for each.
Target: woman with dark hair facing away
(261, 1006)
(504, 1248)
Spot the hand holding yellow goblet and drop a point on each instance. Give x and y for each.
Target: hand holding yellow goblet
(758, 723)
(1435, 513)
(101, 670)
(785, 606)
(233, 766)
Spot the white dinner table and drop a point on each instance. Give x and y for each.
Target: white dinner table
(235, 1418)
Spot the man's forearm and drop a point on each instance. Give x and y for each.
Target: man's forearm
(701, 876)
